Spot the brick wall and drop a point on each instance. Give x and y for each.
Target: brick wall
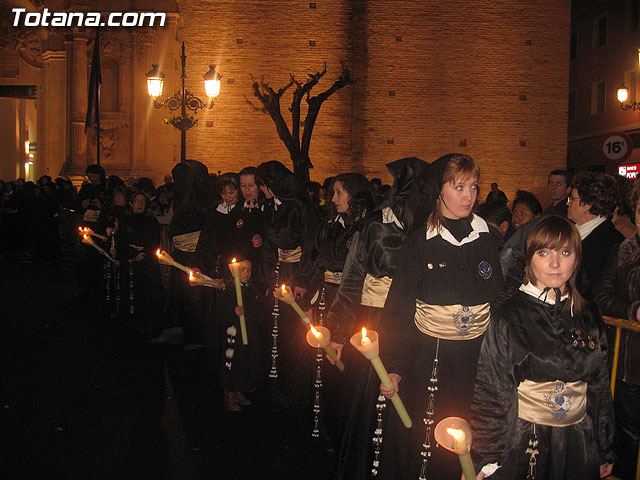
(486, 78)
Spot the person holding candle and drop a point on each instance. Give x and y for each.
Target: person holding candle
(367, 273)
(542, 404)
(136, 241)
(240, 365)
(435, 316)
(351, 201)
(186, 306)
(246, 225)
(290, 225)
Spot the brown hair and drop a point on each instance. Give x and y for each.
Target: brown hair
(555, 232)
(459, 166)
(599, 190)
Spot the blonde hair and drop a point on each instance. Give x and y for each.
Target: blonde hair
(459, 166)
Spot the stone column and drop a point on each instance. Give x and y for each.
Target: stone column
(79, 99)
(55, 111)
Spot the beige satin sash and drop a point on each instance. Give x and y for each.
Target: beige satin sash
(333, 277)
(290, 256)
(556, 404)
(452, 322)
(375, 291)
(186, 242)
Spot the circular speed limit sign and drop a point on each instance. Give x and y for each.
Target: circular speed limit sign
(617, 146)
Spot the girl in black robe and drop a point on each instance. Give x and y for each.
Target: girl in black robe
(367, 273)
(434, 319)
(241, 363)
(247, 226)
(290, 224)
(542, 405)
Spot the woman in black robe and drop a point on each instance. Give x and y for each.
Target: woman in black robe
(434, 319)
(351, 201)
(542, 405)
(367, 273)
(290, 224)
(187, 307)
(137, 239)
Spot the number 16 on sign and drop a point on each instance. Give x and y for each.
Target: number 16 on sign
(617, 146)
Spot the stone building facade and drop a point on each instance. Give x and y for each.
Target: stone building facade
(486, 78)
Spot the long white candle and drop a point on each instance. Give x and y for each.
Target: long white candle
(235, 271)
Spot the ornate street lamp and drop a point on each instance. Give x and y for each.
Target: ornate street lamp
(623, 96)
(183, 99)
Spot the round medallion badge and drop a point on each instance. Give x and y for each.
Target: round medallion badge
(485, 270)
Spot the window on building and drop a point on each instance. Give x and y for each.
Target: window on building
(110, 88)
(573, 96)
(598, 97)
(600, 31)
(574, 45)
(631, 81)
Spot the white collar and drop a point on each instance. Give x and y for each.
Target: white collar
(224, 208)
(586, 228)
(478, 226)
(530, 289)
(250, 205)
(389, 217)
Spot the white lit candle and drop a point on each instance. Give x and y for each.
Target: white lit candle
(369, 346)
(454, 434)
(234, 266)
(319, 337)
(166, 259)
(284, 294)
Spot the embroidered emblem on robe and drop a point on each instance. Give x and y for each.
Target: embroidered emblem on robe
(463, 319)
(558, 401)
(485, 270)
(239, 223)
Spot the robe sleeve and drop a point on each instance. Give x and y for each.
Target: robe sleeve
(607, 296)
(600, 404)
(308, 223)
(206, 250)
(495, 404)
(398, 330)
(346, 304)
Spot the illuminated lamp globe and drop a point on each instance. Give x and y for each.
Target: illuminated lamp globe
(623, 94)
(212, 82)
(155, 81)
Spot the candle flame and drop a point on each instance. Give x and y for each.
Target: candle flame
(84, 236)
(158, 252)
(284, 288)
(364, 332)
(315, 332)
(191, 277)
(233, 260)
(456, 433)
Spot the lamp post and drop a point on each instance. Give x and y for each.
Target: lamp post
(183, 99)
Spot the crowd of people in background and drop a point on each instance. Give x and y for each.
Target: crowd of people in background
(402, 259)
